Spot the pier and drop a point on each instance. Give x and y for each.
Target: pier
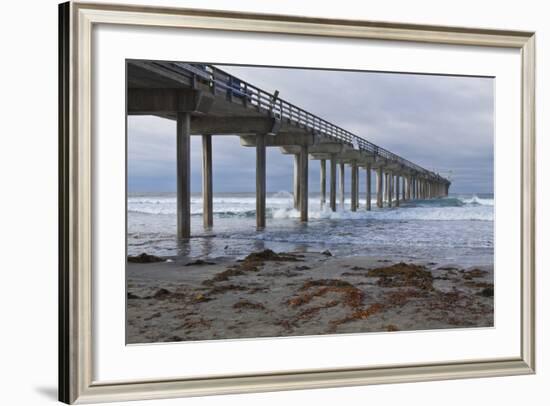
(206, 101)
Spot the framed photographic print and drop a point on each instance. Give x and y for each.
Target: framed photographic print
(261, 202)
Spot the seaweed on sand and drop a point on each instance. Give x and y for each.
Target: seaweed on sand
(402, 274)
(251, 263)
(199, 262)
(474, 273)
(144, 258)
(269, 255)
(352, 296)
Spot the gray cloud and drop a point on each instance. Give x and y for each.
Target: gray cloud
(442, 123)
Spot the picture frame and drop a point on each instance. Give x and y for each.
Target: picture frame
(76, 348)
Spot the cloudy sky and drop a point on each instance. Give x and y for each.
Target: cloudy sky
(442, 123)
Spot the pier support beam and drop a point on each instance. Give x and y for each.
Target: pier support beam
(403, 192)
(183, 157)
(333, 182)
(304, 162)
(354, 186)
(296, 191)
(323, 183)
(397, 181)
(379, 188)
(342, 185)
(368, 190)
(207, 206)
(260, 180)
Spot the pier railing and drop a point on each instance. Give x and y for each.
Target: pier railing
(240, 91)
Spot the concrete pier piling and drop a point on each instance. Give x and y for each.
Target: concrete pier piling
(260, 180)
(386, 188)
(390, 189)
(333, 182)
(183, 158)
(354, 186)
(397, 182)
(296, 183)
(323, 188)
(342, 185)
(207, 198)
(379, 188)
(368, 186)
(304, 162)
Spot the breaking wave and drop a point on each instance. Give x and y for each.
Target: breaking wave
(281, 206)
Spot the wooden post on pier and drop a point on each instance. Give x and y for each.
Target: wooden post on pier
(368, 190)
(379, 188)
(397, 182)
(260, 180)
(207, 207)
(333, 182)
(296, 191)
(403, 193)
(183, 157)
(354, 186)
(323, 183)
(304, 162)
(342, 185)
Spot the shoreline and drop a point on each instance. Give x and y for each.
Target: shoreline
(270, 294)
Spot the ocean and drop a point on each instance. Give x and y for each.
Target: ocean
(457, 229)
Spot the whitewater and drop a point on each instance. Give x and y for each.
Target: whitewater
(457, 229)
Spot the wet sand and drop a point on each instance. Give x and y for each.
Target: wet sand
(292, 294)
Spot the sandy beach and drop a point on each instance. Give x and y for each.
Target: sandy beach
(270, 294)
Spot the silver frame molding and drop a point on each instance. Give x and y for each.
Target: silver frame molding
(76, 21)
